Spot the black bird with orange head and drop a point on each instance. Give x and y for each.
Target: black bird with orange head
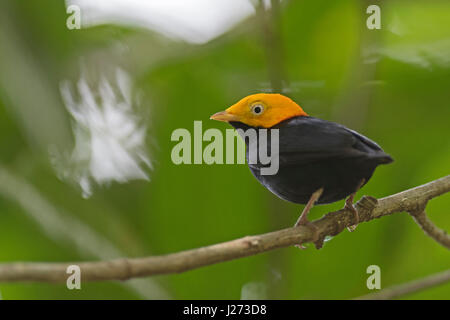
(319, 161)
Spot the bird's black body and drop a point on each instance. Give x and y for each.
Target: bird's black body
(314, 154)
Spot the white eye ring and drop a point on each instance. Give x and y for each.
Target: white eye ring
(257, 109)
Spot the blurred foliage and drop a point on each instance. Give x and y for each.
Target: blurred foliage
(390, 84)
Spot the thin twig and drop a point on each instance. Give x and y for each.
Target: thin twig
(329, 225)
(409, 287)
(273, 45)
(439, 235)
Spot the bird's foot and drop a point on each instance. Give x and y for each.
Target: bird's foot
(303, 219)
(311, 226)
(349, 206)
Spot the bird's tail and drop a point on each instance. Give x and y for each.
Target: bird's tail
(384, 159)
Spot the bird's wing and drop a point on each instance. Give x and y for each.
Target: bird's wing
(308, 139)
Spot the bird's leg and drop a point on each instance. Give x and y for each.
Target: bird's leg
(349, 206)
(303, 219)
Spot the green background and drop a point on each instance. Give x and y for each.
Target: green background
(392, 85)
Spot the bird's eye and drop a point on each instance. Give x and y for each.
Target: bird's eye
(257, 109)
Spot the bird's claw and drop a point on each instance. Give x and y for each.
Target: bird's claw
(310, 225)
(351, 207)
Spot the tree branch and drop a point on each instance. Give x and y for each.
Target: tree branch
(369, 208)
(409, 287)
(439, 235)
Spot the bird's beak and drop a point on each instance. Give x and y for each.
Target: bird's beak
(224, 116)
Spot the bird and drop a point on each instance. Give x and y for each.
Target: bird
(320, 161)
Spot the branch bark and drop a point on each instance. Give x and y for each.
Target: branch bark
(333, 223)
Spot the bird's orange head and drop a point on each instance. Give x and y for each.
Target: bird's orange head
(261, 110)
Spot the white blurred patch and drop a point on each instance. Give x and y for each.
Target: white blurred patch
(254, 291)
(109, 135)
(397, 27)
(196, 21)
